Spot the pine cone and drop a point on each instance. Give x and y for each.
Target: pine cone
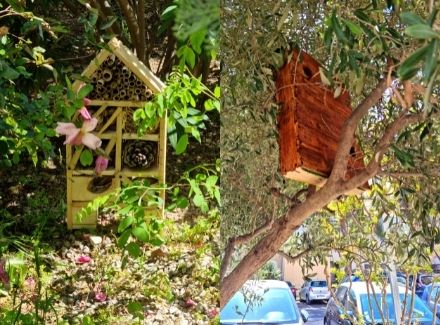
(139, 154)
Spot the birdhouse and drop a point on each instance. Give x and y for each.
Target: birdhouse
(121, 84)
(310, 123)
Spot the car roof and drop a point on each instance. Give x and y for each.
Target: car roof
(360, 287)
(266, 284)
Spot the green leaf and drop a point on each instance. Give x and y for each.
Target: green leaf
(404, 157)
(141, 234)
(421, 31)
(86, 157)
(134, 308)
(409, 67)
(217, 91)
(362, 15)
(432, 16)
(211, 181)
(85, 90)
(430, 59)
(200, 202)
(123, 239)
(189, 56)
(133, 249)
(338, 30)
(182, 144)
(409, 18)
(125, 223)
(108, 22)
(354, 29)
(197, 39)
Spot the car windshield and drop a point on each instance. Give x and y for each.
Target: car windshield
(420, 313)
(318, 284)
(274, 305)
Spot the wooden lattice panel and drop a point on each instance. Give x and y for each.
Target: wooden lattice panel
(310, 123)
(121, 85)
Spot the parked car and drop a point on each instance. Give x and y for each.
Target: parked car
(356, 302)
(431, 295)
(292, 288)
(422, 280)
(314, 290)
(263, 302)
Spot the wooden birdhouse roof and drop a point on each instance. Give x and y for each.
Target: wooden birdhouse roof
(121, 58)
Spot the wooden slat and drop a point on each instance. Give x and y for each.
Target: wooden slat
(110, 121)
(134, 136)
(121, 103)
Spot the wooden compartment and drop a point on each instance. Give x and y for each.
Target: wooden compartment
(310, 123)
(122, 84)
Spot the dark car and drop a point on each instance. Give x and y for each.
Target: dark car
(422, 280)
(355, 302)
(292, 288)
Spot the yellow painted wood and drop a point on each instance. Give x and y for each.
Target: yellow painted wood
(78, 178)
(121, 103)
(87, 222)
(134, 136)
(80, 191)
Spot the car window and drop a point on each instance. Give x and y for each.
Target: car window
(426, 279)
(376, 304)
(272, 305)
(434, 294)
(340, 294)
(351, 303)
(318, 284)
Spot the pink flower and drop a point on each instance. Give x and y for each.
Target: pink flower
(78, 136)
(83, 259)
(212, 313)
(190, 303)
(86, 101)
(4, 278)
(100, 296)
(30, 282)
(85, 113)
(101, 164)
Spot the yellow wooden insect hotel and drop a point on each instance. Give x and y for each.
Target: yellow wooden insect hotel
(121, 84)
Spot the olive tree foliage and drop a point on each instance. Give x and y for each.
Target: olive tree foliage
(385, 54)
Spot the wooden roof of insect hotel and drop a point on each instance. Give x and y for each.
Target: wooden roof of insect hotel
(310, 123)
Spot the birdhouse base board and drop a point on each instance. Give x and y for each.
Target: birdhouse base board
(307, 176)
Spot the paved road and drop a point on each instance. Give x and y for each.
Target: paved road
(316, 311)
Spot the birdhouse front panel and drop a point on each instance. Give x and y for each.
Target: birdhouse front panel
(121, 84)
(310, 123)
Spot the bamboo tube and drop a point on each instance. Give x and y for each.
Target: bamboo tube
(131, 84)
(138, 91)
(122, 93)
(148, 93)
(126, 71)
(100, 82)
(107, 75)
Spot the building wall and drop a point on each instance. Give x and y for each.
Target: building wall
(293, 272)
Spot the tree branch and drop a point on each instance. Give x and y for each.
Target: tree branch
(293, 259)
(132, 23)
(141, 22)
(233, 241)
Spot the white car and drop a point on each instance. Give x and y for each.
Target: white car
(263, 302)
(314, 290)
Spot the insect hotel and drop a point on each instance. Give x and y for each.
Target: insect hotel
(121, 84)
(310, 124)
